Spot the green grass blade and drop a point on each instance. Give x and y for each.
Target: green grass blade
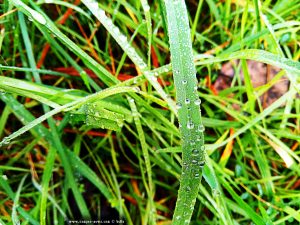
(14, 215)
(146, 8)
(196, 20)
(257, 55)
(257, 14)
(249, 88)
(45, 183)
(257, 219)
(87, 172)
(26, 215)
(142, 139)
(189, 116)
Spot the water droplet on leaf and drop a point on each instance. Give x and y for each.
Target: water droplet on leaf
(194, 161)
(190, 125)
(201, 128)
(195, 151)
(38, 17)
(197, 102)
(201, 164)
(178, 105)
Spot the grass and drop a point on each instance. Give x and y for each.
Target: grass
(189, 115)
(100, 110)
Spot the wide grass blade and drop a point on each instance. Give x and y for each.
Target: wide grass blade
(188, 103)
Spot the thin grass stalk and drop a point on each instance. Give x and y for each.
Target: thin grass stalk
(148, 186)
(146, 8)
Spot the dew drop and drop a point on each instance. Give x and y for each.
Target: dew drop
(245, 195)
(154, 79)
(197, 102)
(201, 128)
(190, 125)
(184, 82)
(137, 89)
(142, 65)
(123, 38)
(94, 5)
(197, 175)
(178, 217)
(194, 161)
(215, 192)
(146, 8)
(201, 164)
(178, 105)
(116, 30)
(202, 148)
(109, 22)
(39, 17)
(269, 210)
(195, 152)
(83, 73)
(187, 101)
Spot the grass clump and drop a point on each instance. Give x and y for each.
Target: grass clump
(101, 119)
